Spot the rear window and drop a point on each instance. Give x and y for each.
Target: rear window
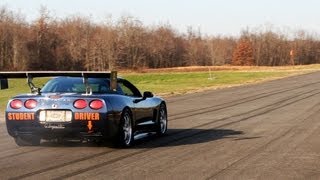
(75, 85)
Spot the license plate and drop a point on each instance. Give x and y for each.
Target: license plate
(55, 116)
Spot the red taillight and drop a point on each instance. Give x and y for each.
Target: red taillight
(80, 104)
(30, 103)
(96, 104)
(16, 104)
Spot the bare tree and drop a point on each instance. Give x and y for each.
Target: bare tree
(76, 43)
(243, 53)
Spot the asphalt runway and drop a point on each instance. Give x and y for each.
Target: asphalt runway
(269, 130)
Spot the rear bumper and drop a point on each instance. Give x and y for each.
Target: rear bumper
(105, 128)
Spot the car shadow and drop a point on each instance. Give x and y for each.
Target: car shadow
(180, 137)
(173, 137)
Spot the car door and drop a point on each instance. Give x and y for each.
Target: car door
(143, 108)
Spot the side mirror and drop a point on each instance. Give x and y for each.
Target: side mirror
(147, 94)
(4, 83)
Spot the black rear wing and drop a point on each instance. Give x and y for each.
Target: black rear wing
(4, 76)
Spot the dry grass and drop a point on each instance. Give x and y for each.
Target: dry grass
(305, 68)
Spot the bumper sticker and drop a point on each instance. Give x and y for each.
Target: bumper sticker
(86, 116)
(21, 116)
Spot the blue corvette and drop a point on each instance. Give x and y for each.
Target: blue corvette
(82, 105)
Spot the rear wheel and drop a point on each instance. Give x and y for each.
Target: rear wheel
(162, 120)
(27, 140)
(126, 131)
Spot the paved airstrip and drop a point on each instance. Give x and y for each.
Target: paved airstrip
(269, 130)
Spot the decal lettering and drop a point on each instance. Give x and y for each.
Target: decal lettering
(86, 116)
(20, 116)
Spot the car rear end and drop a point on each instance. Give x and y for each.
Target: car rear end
(52, 116)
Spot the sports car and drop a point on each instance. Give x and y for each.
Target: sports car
(82, 105)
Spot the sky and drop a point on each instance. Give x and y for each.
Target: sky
(211, 17)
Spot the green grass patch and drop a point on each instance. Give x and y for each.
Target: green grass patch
(179, 83)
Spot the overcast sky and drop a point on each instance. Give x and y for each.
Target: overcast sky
(213, 17)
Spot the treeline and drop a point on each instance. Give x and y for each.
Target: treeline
(77, 43)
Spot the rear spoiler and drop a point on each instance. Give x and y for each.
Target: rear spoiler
(4, 76)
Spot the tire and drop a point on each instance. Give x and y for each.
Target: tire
(126, 130)
(162, 125)
(27, 140)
